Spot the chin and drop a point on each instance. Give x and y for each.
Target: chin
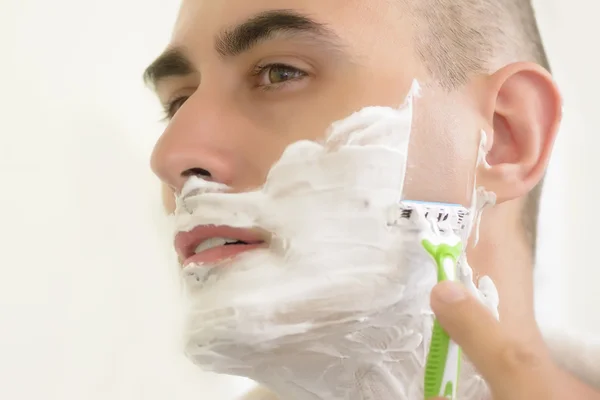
(266, 301)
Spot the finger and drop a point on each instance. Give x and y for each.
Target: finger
(497, 356)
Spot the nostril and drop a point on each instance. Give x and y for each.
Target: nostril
(196, 172)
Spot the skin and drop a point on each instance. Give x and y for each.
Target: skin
(232, 121)
(520, 370)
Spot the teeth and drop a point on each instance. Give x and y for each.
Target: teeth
(213, 242)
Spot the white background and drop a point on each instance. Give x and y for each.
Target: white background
(86, 295)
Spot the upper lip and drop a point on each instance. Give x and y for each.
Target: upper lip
(187, 242)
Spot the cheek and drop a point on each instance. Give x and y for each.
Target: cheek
(168, 199)
(441, 161)
(334, 97)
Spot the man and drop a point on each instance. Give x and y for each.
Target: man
(242, 79)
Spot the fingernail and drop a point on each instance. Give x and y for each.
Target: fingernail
(450, 292)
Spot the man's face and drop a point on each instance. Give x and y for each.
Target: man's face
(244, 79)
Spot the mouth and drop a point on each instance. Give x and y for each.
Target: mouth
(212, 244)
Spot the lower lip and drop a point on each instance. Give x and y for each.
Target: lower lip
(220, 253)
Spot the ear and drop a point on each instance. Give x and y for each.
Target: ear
(523, 109)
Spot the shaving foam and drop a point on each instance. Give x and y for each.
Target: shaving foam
(337, 306)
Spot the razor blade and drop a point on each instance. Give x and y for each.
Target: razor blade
(454, 216)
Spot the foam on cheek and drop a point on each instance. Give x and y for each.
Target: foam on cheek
(326, 206)
(338, 305)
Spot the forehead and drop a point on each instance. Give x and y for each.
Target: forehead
(362, 22)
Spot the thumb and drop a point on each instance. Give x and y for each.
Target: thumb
(514, 366)
(476, 331)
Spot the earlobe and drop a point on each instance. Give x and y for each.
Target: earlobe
(525, 113)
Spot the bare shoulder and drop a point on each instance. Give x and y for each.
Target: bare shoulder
(260, 394)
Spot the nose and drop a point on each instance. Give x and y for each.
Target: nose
(195, 143)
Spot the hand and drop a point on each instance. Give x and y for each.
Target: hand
(515, 367)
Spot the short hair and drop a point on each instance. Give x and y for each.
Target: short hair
(459, 38)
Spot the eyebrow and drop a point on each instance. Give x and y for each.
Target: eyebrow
(173, 62)
(242, 38)
(265, 26)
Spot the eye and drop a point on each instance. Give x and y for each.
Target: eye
(274, 75)
(172, 106)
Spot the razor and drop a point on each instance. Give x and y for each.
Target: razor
(442, 368)
(443, 361)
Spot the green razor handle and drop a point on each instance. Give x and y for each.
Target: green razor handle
(443, 361)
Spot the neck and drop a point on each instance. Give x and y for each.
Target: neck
(332, 377)
(375, 362)
(372, 363)
(381, 359)
(503, 255)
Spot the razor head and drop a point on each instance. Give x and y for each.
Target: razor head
(445, 216)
